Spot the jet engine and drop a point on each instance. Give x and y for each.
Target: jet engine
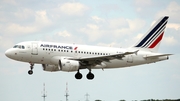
(62, 65)
(69, 65)
(50, 68)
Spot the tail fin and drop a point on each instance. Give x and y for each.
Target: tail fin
(151, 40)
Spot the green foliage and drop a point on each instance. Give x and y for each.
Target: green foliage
(122, 100)
(161, 100)
(98, 100)
(151, 100)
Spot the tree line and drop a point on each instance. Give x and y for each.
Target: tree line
(151, 100)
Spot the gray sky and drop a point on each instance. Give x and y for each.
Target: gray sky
(116, 23)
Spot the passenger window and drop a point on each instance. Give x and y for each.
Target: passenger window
(23, 47)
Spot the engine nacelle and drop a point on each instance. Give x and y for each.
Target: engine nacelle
(68, 65)
(50, 68)
(61, 64)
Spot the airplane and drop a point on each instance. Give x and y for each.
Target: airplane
(73, 57)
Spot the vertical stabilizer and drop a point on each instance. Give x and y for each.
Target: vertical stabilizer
(151, 40)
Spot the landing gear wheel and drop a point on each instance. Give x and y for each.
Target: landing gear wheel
(30, 72)
(90, 76)
(78, 75)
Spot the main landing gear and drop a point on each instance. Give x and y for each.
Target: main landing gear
(30, 72)
(89, 76)
(78, 75)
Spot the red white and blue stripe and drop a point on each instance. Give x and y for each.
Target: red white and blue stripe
(155, 35)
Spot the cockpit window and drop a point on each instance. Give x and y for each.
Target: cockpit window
(15, 46)
(23, 47)
(19, 46)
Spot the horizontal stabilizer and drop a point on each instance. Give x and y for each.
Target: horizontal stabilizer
(156, 56)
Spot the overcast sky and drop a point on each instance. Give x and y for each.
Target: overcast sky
(115, 23)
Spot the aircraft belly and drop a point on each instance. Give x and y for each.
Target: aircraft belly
(41, 58)
(115, 63)
(126, 63)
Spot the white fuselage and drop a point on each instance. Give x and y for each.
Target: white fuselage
(72, 57)
(43, 52)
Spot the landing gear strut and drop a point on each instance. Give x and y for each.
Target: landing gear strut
(90, 75)
(78, 75)
(30, 72)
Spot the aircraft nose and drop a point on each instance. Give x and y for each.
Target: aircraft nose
(8, 53)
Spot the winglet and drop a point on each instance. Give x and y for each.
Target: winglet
(134, 52)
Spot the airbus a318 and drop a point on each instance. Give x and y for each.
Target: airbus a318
(72, 57)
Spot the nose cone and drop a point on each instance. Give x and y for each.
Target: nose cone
(8, 53)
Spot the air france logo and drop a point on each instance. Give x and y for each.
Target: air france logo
(75, 48)
(56, 46)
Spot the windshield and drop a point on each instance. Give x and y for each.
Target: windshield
(19, 46)
(16, 46)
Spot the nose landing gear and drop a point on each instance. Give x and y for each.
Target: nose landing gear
(30, 72)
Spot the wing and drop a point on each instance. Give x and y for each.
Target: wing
(95, 60)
